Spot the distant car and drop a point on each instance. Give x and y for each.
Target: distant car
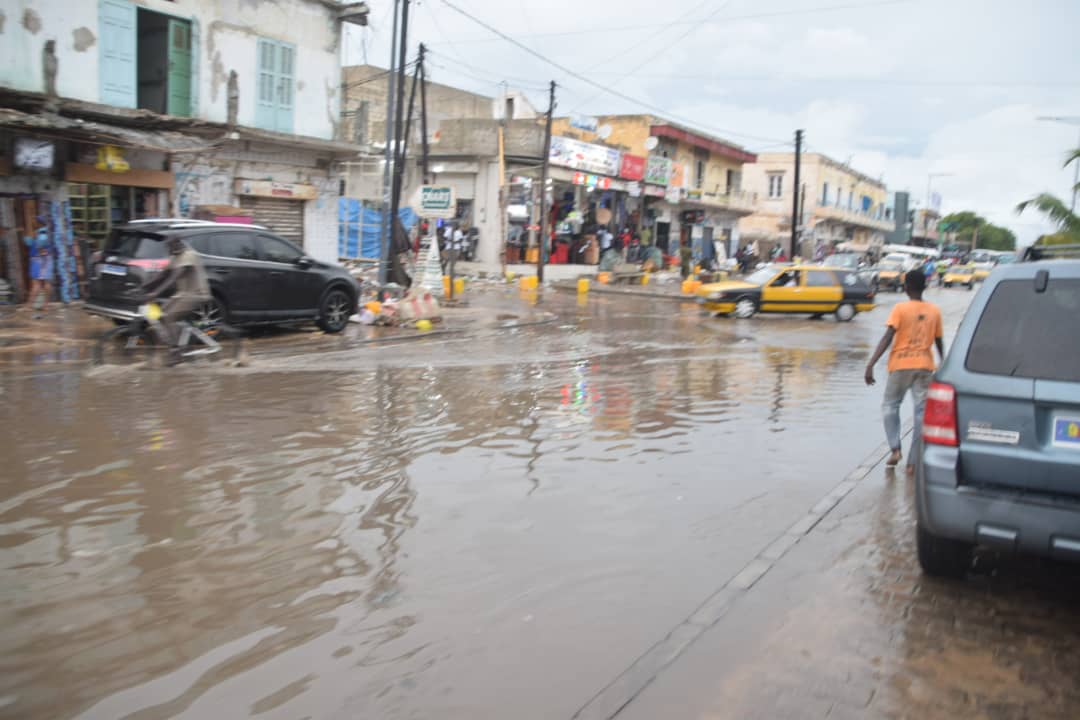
(891, 271)
(854, 262)
(959, 275)
(255, 276)
(1000, 462)
(811, 289)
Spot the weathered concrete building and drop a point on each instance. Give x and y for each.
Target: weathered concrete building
(840, 207)
(682, 185)
(463, 144)
(153, 107)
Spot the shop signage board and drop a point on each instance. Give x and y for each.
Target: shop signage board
(633, 167)
(584, 156)
(654, 191)
(678, 175)
(437, 201)
(658, 170)
(269, 188)
(693, 194)
(593, 181)
(673, 195)
(634, 188)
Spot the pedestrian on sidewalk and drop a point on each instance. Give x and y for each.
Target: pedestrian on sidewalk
(915, 326)
(41, 267)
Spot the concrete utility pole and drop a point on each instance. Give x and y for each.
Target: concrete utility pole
(795, 195)
(388, 156)
(399, 116)
(543, 186)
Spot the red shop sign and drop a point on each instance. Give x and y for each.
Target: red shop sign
(633, 167)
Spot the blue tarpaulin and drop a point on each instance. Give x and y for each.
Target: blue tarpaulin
(360, 228)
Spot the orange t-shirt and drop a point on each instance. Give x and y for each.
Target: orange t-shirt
(917, 325)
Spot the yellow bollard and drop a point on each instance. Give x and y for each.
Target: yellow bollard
(459, 286)
(583, 286)
(529, 282)
(446, 285)
(645, 279)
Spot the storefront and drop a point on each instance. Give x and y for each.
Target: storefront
(278, 206)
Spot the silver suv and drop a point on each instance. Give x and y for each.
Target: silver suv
(1000, 463)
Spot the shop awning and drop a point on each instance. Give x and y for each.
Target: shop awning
(101, 133)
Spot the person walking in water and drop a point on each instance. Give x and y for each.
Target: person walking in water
(913, 329)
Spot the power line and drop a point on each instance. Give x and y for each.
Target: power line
(582, 78)
(662, 50)
(731, 18)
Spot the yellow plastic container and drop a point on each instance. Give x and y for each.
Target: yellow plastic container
(603, 278)
(583, 285)
(686, 287)
(446, 285)
(374, 306)
(510, 277)
(459, 286)
(529, 282)
(645, 279)
(423, 325)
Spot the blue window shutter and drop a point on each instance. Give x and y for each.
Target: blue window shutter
(117, 56)
(266, 86)
(286, 85)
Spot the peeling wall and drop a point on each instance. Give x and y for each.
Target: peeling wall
(226, 33)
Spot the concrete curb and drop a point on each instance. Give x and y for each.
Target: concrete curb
(621, 691)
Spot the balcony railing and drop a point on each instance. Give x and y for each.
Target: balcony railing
(853, 217)
(736, 200)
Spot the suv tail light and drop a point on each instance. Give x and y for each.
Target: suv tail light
(939, 419)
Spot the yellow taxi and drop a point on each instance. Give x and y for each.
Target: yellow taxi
(959, 275)
(982, 270)
(810, 289)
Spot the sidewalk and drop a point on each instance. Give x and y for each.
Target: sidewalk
(843, 625)
(661, 290)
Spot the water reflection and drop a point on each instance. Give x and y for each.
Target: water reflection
(163, 536)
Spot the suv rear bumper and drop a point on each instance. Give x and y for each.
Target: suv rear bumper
(1002, 519)
(110, 311)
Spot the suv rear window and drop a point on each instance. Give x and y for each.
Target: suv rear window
(1027, 334)
(137, 246)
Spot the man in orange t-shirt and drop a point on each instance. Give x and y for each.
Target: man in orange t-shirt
(915, 326)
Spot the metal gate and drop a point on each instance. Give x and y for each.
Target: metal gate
(283, 217)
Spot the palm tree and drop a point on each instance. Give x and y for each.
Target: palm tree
(1057, 212)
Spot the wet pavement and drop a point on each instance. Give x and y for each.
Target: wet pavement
(497, 522)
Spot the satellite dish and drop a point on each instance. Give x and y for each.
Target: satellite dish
(603, 131)
(651, 142)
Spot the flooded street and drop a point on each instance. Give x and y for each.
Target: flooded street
(491, 524)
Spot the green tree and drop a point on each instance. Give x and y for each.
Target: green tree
(1057, 212)
(966, 224)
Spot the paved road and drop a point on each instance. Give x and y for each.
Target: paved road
(479, 526)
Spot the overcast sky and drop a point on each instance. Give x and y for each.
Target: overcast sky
(901, 88)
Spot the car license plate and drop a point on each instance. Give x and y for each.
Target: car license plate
(114, 269)
(1067, 432)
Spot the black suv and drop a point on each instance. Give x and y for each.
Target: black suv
(255, 276)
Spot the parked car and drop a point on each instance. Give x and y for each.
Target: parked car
(255, 276)
(809, 289)
(1000, 462)
(959, 275)
(854, 262)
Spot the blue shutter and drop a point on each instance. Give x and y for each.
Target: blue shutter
(286, 85)
(117, 58)
(266, 87)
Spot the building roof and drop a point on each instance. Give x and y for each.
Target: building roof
(137, 128)
(697, 139)
(790, 156)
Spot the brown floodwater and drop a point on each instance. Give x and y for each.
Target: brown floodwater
(487, 525)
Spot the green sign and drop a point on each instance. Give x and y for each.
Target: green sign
(437, 201)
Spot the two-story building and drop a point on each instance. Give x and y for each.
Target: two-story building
(839, 207)
(123, 109)
(680, 186)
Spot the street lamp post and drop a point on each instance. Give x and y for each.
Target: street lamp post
(1067, 120)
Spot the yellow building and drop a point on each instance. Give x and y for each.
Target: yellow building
(840, 207)
(680, 186)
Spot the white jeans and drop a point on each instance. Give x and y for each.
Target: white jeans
(900, 381)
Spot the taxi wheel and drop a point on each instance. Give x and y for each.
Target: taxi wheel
(845, 312)
(745, 308)
(948, 284)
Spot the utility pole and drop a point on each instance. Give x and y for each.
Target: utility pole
(543, 186)
(423, 115)
(384, 240)
(399, 113)
(795, 194)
